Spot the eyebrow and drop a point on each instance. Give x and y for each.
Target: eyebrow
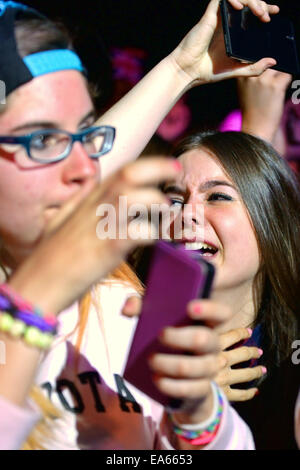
(212, 183)
(203, 187)
(173, 189)
(51, 124)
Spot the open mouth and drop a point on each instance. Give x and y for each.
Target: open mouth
(205, 249)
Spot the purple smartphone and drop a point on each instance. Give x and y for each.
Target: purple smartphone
(175, 276)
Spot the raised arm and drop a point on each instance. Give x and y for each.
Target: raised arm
(199, 58)
(262, 103)
(72, 258)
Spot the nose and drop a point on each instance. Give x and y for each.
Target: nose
(79, 167)
(193, 212)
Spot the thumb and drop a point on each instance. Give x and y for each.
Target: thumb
(256, 69)
(208, 23)
(69, 207)
(132, 307)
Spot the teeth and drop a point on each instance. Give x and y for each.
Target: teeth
(198, 246)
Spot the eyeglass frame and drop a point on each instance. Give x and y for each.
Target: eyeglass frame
(25, 141)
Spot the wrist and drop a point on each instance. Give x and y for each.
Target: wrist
(180, 73)
(36, 289)
(197, 414)
(259, 128)
(191, 436)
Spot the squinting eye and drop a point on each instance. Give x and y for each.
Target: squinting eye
(219, 197)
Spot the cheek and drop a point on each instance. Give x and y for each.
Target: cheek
(238, 238)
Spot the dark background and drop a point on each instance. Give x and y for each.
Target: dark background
(156, 26)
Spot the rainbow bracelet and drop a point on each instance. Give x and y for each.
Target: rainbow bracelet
(22, 320)
(15, 303)
(204, 433)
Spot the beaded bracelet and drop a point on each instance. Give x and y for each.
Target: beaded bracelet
(21, 319)
(203, 433)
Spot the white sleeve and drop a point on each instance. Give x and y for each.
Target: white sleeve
(233, 434)
(16, 423)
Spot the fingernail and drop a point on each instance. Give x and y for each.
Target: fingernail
(264, 370)
(197, 309)
(260, 352)
(177, 165)
(129, 304)
(257, 392)
(250, 331)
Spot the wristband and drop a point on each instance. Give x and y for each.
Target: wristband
(22, 320)
(13, 301)
(205, 432)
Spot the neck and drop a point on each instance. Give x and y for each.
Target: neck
(240, 301)
(8, 264)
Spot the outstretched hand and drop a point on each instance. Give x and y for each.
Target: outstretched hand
(202, 55)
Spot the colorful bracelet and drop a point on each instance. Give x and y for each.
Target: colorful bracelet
(13, 301)
(204, 433)
(18, 329)
(22, 320)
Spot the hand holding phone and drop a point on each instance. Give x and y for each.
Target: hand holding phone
(248, 39)
(175, 277)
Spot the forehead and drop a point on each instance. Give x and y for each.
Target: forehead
(58, 97)
(199, 166)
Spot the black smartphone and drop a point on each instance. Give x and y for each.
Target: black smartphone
(248, 39)
(175, 276)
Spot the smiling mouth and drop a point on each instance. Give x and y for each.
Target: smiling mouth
(204, 249)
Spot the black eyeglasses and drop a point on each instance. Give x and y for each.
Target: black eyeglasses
(53, 145)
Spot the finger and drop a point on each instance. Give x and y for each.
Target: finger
(132, 307)
(239, 376)
(256, 69)
(68, 208)
(206, 27)
(234, 336)
(261, 8)
(243, 354)
(183, 389)
(184, 366)
(284, 78)
(196, 339)
(212, 313)
(240, 395)
(150, 170)
(236, 4)
(140, 200)
(244, 70)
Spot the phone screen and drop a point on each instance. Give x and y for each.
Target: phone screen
(249, 39)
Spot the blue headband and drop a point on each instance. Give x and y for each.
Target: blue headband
(15, 70)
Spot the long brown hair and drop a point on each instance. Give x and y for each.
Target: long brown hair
(271, 195)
